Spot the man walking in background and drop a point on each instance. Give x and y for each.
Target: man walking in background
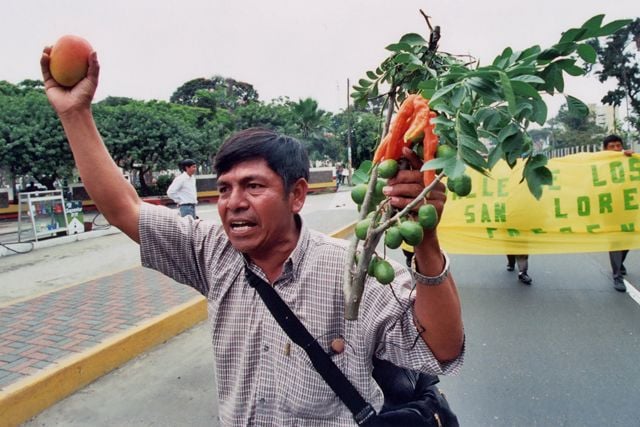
(614, 143)
(183, 189)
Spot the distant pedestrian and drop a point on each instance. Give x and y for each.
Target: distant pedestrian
(31, 187)
(183, 189)
(345, 176)
(523, 267)
(339, 177)
(616, 258)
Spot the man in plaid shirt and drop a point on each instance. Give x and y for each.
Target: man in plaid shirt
(262, 378)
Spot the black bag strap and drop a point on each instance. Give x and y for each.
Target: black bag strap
(362, 411)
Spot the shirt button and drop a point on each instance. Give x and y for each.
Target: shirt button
(262, 400)
(265, 348)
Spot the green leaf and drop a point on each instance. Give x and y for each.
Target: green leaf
(398, 47)
(428, 84)
(484, 87)
(548, 54)
(576, 106)
(467, 136)
(361, 175)
(372, 75)
(572, 35)
(441, 92)
(539, 112)
(364, 83)
(508, 92)
(524, 89)
(495, 154)
(413, 39)
(593, 23)
(537, 161)
(522, 109)
(553, 78)
(439, 163)
(569, 66)
(527, 78)
(407, 59)
(441, 107)
(458, 96)
(564, 49)
(537, 175)
(470, 120)
(472, 158)
(502, 60)
(374, 91)
(453, 167)
(612, 27)
(442, 121)
(508, 131)
(587, 53)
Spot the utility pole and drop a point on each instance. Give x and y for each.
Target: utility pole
(349, 133)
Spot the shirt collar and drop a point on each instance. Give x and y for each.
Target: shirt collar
(292, 264)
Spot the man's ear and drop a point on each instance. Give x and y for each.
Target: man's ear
(299, 195)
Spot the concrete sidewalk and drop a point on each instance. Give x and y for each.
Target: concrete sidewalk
(54, 343)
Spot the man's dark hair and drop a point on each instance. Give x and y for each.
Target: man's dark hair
(610, 138)
(184, 164)
(285, 155)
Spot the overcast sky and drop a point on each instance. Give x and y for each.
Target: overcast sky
(148, 48)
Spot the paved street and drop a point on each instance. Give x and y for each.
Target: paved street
(561, 352)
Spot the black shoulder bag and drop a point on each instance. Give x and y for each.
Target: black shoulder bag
(411, 398)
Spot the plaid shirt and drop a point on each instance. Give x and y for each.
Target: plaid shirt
(262, 378)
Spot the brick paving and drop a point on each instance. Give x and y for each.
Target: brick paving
(38, 333)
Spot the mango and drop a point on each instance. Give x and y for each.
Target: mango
(69, 60)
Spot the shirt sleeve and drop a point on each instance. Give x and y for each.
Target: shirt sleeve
(389, 319)
(173, 245)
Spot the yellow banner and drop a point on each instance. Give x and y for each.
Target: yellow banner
(593, 205)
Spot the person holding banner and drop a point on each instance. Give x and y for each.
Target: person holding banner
(614, 143)
(523, 266)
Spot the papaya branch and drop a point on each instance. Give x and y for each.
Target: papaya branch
(465, 116)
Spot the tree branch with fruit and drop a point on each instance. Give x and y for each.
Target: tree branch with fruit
(455, 115)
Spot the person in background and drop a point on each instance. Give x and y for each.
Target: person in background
(523, 266)
(407, 250)
(614, 143)
(183, 189)
(31, 187)
(339, 177)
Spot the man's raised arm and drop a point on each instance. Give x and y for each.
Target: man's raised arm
(116, 199)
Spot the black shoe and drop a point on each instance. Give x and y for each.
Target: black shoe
(510, 267)
(618, 285)
(623, 271)
(524, 278)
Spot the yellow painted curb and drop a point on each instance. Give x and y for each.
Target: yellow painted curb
(25, 399)
(344, 232)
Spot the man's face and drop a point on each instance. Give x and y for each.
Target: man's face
(256, 213)
(614, 146)
(190, 170)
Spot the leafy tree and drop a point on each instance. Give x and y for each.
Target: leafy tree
(573, 130)
(32, 141)
(214, 92)
(309, 117)
(312, 124)
(276, 115)
(148, 136)
(619, 60)
(365, 134)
